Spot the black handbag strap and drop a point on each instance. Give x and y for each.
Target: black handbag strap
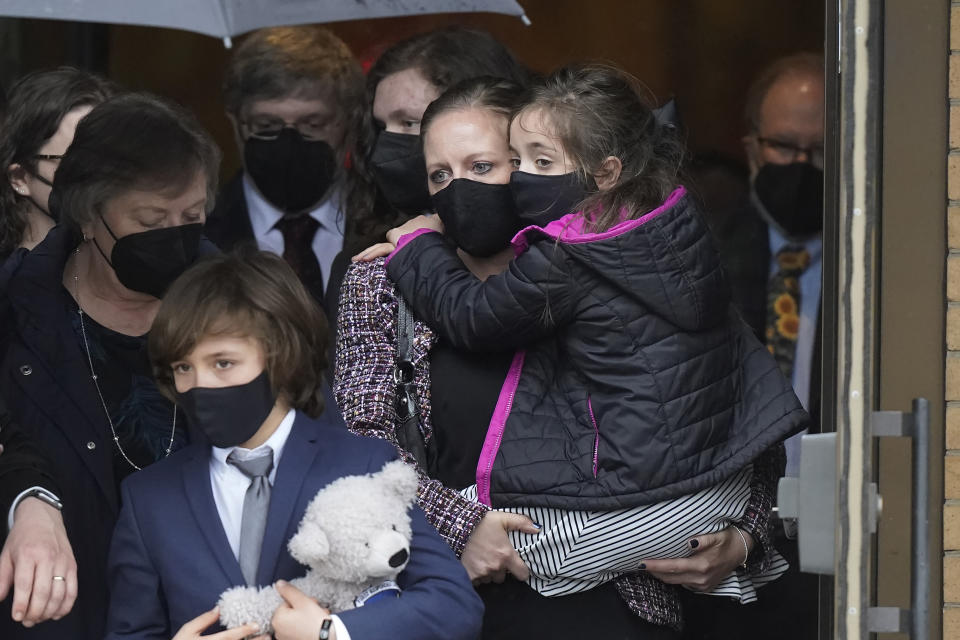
(407, 430)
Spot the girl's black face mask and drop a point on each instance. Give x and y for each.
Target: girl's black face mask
(542, 199)
(228, 416)
(400, 172)
(150, 261)
(291, 172)
(479, 217)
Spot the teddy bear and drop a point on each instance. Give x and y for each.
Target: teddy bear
(354, 536)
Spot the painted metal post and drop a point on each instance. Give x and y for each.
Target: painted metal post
(859, 215)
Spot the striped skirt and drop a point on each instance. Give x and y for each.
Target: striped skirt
(578, 550)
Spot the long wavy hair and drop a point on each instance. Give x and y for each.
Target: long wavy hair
(599, 111)
(36, 105)
(445, 57)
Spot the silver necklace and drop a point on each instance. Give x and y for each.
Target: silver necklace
(93, 376)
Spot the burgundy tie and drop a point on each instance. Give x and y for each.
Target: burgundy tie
(298, 233)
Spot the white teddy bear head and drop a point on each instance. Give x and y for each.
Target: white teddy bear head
(358, 527)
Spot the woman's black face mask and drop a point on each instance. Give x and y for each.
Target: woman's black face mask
(479, 217)
(150, 261)
(400, 171)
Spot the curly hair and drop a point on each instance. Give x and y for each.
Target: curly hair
(36, 105)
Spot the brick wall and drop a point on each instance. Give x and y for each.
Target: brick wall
(951, 509)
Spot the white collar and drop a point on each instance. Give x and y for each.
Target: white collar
(275, 442)
(264, 216)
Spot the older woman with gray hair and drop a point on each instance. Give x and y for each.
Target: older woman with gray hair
(132, 194)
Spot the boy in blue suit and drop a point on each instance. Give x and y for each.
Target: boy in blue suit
(240, 346)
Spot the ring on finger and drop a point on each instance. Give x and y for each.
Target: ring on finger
(58, 578)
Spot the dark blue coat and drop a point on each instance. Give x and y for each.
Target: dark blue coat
(45, 382)
(638, 381)
(170, 559)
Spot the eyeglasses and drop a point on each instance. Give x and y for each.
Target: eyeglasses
(266, 128)
(48, 156)
(786, 152)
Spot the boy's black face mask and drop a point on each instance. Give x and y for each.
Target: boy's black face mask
(229, 416)
(480, 218)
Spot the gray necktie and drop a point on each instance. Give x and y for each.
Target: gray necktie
(256, 503)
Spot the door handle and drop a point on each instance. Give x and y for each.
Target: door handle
(811, 499)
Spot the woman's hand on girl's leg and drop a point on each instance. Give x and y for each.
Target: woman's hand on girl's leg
(488, 555)
(714, 556)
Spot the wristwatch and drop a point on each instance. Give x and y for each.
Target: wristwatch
(325, 629)
(44, 496)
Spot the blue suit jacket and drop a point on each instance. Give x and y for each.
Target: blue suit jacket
(170, 559)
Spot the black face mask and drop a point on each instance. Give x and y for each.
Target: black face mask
(229, 416)
(792, 195)
(542, 199)
(150, 261)
(400, 172)
(479, 217)
(291, 172)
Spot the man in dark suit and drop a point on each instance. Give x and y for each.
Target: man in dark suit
(293, 96)
(36, 561)
(772, 253)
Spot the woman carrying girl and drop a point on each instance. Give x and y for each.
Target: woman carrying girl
(462, 388)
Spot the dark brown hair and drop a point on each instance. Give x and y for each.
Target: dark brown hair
(445, 57)
(253, 294)
(796, 64)
(303, 60)
(486, 92)
(36, 105)
(598, 111)
(132, 141)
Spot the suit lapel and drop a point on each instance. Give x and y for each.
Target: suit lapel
(196, 484)
(290, 492)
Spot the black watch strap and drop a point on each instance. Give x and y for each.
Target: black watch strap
(325, 629)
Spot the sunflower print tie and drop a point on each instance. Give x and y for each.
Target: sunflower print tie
(783, 305)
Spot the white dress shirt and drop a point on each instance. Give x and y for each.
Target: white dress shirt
(230, 485)
(809, 312)
(327, 242)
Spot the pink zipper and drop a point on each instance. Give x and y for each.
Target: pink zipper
(491, 443)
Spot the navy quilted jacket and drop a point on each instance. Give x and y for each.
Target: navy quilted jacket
(635, 380)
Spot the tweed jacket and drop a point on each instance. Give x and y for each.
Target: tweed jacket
(365, 390)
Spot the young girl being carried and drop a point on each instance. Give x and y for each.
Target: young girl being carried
(638, 399)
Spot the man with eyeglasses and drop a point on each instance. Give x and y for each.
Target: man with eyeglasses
(293, 96)
(772, 253)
